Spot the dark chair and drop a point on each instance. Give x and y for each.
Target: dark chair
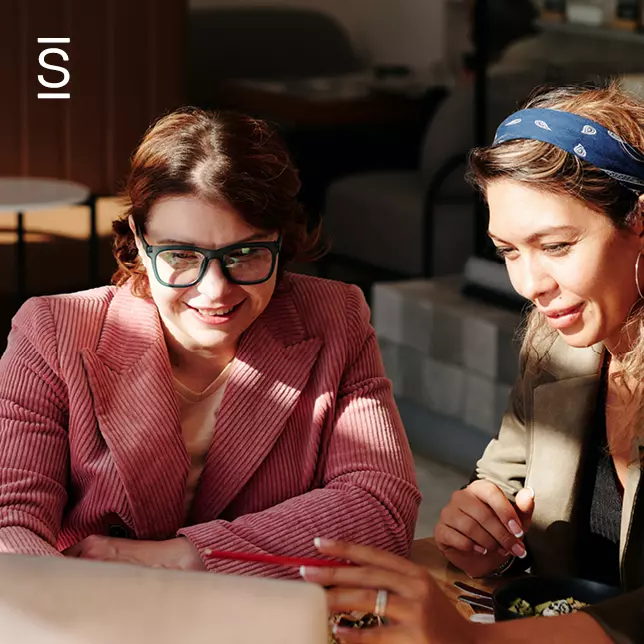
(419, 222)
(275, 43)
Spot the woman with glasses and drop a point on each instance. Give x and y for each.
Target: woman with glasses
(208, 400)
(560, 487)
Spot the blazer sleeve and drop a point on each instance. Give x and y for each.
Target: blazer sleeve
(33, 437)
(368, 493)
(504, 461)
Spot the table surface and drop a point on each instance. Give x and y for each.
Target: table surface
(19, 194)
(426, 553)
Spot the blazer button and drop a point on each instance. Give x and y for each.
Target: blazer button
(118, 531)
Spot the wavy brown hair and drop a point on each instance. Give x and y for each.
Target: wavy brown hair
(545, 167)
(220, 157)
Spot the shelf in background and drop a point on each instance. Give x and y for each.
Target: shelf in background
(606, 33)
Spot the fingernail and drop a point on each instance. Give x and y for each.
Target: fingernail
(515, 529)
(482, 618)
(319, 542)
(530, 490)
(519, 550)
(312, 573)
(480, 550)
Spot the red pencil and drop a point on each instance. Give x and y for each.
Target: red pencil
(278, 560)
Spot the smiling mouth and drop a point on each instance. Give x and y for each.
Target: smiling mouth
(219, 312)
(559, 314)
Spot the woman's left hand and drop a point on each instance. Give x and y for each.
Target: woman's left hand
(418, 612)
(176, 553)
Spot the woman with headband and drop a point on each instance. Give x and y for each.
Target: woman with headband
(557, 488)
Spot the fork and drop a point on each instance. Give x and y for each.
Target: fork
(477, 592)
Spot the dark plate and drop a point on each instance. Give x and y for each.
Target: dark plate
(537, 590)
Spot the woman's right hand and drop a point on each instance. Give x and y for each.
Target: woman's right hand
(479, 528)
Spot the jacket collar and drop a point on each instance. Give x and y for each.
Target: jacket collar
(130, 378)
(563, 405)
(563, 362)
(562, 413)
(131, 328)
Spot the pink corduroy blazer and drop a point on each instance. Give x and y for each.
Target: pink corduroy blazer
(308, 441)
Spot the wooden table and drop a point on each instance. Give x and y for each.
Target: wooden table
(426, 553)
(19, 194)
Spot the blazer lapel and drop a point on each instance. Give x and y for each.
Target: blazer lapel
(631, 492)
(562, 413)
(135, 404)
(270, 371)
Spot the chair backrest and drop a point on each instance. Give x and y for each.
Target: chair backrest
(267, 43)
(451, 130)
(51, 600)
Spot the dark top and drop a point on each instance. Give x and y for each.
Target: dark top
(601, 503)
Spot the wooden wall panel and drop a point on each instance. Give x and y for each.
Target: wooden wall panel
(11, 59)
(168, 55)
(126, 64)
(85, 127)
(129, 48)
(45, 119)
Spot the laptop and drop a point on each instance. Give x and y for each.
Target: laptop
(52, 600)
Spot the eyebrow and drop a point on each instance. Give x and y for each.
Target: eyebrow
(536, 236)
(182, 242)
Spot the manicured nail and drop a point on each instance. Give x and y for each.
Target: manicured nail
(207, 551)
(480, 550)
(530, 490)
(515, 529)
(311, 573)
(482, 618)
(319, 542)
(519, 551)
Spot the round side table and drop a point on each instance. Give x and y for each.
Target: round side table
(21, 194)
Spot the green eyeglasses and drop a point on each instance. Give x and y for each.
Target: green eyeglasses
(182, 265)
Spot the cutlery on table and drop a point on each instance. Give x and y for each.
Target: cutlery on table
(479, 602)
(477, 592)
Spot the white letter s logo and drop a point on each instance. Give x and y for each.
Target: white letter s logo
(43, 63)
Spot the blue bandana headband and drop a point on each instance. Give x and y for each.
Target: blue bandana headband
(580, 137)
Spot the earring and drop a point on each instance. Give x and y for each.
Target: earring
(637, 275)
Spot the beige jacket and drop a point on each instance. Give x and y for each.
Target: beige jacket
(540, 444)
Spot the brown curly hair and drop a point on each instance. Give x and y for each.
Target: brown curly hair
(218, 156)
